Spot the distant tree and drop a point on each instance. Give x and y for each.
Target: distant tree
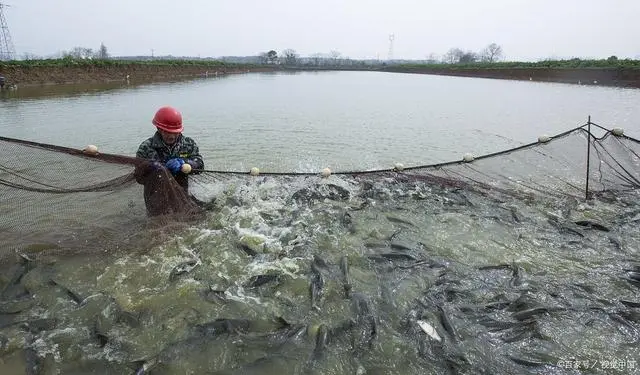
(79, 53)
(102, 52)
(290, 56)
(334, 55)
(491, 53)
(612, 58)
(452, 56)
(468, 57)
(317, 57)
(272, 56)
(30, 56)
(264, 58)
(432, 58)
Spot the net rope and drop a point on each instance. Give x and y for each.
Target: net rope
(59, 198)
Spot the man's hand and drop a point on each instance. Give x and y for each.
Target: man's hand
(174, 165)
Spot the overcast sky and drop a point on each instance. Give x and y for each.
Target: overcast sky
(526, 29)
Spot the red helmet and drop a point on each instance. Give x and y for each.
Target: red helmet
(168, 119)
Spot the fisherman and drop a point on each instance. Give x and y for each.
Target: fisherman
(168, 150)
(2, 82)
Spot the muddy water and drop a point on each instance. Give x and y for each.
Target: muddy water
(307, 275)
(304, 122)
(367, 275)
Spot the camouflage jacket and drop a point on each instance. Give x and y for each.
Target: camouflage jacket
(186, 148)
(155, 149)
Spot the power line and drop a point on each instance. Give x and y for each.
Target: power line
(7, 51)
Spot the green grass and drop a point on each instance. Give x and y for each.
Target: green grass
(555, 64)
(610, 63)
(71, 62)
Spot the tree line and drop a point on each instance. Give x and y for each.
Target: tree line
(490, 54)
(79, 53)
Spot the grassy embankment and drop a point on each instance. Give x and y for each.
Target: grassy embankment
(67, 70)
(609, 72)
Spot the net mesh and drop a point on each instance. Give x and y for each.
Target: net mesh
(60, 200)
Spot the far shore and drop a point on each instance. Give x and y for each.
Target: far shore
(64, 72)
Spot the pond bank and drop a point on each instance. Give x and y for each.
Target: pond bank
(23, 75)
(615, 76)
(55, 72)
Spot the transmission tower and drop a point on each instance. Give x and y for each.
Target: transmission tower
(391, 38)
(7, 52)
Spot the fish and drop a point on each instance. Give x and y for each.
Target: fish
(400, 246)
(321, 192)
(38, 325)
(523, 302)
(419, 263)
(100, 330)
(259, 280)
(316, 286)
(142, 367)
(496, 267)
(398, 220)
(429, 330)
(344, 267)
(499, 325)
(17, 306)
(347, 221)
(519, 333)
(515, 215)
(365, 328)
(213, 295)
(446, 323)
(530, 362)
(592, 225)
(516, 277)
(14, 288)
(564, 228)
(395, 234)
(182, 268)
(75, 297)
(319, 262)
(322, 342)
(630, 303)
(4, 342)
(223, 326)
(392, 256)
(128, 318)
(249, 251)
(526, 314)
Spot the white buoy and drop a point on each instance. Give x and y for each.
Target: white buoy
(617, 131)
(468, 157)
(544, 138)
(326, 172)
(91, 150)
(186, 168)
(398, 167)
(254, 171)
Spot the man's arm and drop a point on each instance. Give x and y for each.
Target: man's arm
(145, 151)
(194, 158)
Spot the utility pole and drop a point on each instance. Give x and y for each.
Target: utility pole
(7, 51)
(391, 39)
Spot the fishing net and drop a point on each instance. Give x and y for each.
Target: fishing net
(60, 200)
